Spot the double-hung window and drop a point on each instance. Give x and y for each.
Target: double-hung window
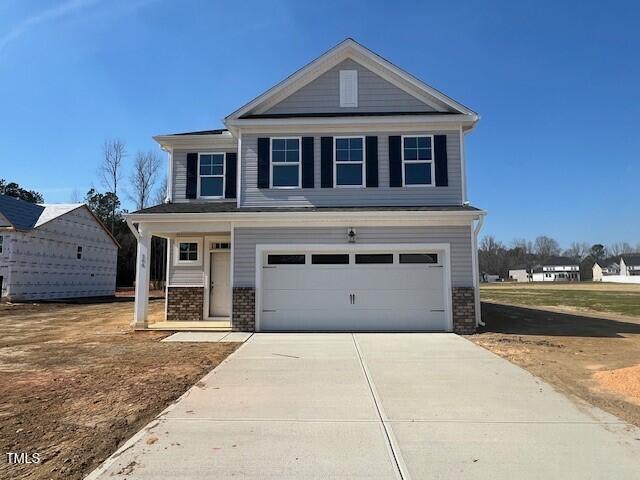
(285, 163)
(349, 162)
(417, 160)
(211, 180)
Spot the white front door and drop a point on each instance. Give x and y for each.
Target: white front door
(384, 291)
(219, 285)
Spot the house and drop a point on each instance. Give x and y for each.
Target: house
(630, 264)
(520, 274)
(606, 267)
(53, 252)
(624, 268)
(554, 269)
(334, 201)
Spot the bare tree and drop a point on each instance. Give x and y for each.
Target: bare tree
(113, 152)
(577, 250)
(523, 244)
(546, 247)
(161, 192)
(75, 196)
(143, 178)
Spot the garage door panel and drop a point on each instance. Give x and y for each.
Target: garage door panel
(354, 297)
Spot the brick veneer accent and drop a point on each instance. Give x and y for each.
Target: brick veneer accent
(464, 307)
(185, 303)
(244, 309)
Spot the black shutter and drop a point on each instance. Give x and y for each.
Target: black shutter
(307, 162)
(230, 175)
(372, 161)
(263, 162)
(440, 155)
(326, 162)
(192, 176)
(395, 161)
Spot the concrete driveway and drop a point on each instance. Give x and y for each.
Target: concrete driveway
(300, 406)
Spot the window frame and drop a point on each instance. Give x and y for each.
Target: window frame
(176, 251)
(432, 162)
(349, 162)
(223, 176)
(284, 164)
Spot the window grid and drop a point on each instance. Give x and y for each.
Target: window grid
(188, 252)
(417, 150)
(349, 152)
(211, 166)
(286, 154)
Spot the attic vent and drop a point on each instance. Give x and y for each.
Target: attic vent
(348, 88)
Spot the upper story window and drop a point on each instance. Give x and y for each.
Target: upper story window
(417, 160)
(211, 175)
(348, 88)
(349, 162)
(79, 252)
(285, 163)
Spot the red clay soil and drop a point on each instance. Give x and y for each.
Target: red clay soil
(76, 382)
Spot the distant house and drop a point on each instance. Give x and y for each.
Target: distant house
(630, 264)
(606, 267)
(54, 251)
(624, 268)
(555, 269)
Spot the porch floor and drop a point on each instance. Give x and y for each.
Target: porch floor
(200, 326)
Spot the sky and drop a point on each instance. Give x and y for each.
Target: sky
(556, 84)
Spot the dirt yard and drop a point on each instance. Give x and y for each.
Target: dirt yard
(76, 381)
(596, 359)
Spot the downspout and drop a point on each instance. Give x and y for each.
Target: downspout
(476, 273)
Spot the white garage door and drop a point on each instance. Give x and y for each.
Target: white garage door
(381, 291)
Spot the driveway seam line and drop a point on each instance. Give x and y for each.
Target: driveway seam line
(401, 468)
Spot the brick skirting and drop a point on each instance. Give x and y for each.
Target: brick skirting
(464, 307)
(244, 309)
(185, 303)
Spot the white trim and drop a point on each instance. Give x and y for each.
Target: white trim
(445, 248)
(432, 161)
(224, 172)
(284, 164)
(463, 166)
(239, 170)
(418, 120)
(176, 251)
(349, 162)
(475, 230)
(169, 196)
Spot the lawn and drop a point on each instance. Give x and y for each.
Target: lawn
(618, 299)
(76, 381)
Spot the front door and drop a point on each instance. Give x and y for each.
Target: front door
(219, 288)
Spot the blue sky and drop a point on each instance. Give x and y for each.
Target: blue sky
(556, 85)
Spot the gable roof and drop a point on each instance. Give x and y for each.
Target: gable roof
(631, 259)
(349, 48)
(20, 214)
(27, 216)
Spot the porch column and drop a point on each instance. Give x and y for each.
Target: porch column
(142, 279)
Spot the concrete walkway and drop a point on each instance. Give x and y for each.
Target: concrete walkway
(321, 406)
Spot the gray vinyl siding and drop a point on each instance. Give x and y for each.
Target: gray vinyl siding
(179, 183)
(383, 195)
(459, 237)
(185, 275)
(375, 94)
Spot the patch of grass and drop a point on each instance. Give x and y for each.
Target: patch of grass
(612, 301)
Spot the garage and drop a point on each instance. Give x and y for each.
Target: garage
(354, 290)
